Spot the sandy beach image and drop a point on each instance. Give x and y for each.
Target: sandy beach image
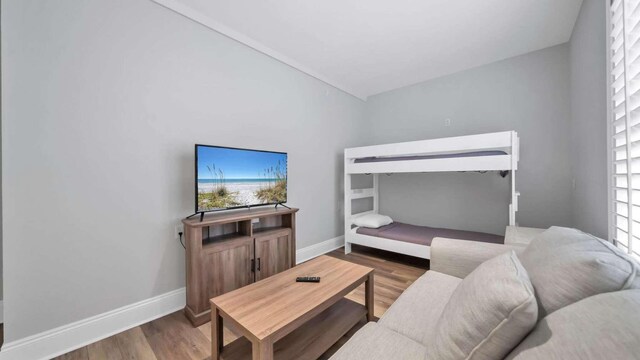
(244, 193)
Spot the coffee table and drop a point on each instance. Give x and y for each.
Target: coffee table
(282, 319)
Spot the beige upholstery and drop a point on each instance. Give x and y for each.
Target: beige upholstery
(578, 278)
(376, 342)
(520, 235)
(566, 265)
(488, 314)
(460, 257)
(605, 326)
(414, 313)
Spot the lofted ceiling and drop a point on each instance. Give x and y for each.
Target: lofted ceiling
(365, 47)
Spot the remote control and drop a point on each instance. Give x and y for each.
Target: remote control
(314, 279)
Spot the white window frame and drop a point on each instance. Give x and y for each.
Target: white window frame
(611, 194)
(609, 119)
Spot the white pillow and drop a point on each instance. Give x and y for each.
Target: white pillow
(373, 221)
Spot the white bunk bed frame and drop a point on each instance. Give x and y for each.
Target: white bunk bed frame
(506, 141)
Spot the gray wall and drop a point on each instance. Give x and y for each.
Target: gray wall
(529, 94)
(103, 101)
(587, 54)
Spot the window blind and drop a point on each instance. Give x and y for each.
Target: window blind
(625, 126)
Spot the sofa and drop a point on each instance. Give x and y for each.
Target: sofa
(584, 303)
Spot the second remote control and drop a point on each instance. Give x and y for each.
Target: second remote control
(314, 279)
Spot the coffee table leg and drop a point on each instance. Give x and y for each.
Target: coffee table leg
(217, 334)
(368, 297)
(262, 350)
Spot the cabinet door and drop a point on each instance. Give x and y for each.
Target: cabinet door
(227, 265)
(273, 253)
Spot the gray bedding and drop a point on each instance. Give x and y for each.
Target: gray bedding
(424, 157)
(423, 235)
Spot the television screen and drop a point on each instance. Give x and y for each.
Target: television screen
(230, 178)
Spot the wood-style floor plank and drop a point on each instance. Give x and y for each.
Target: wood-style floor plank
(79, 354)
(133, 344)
(105, 349)
(173, 337)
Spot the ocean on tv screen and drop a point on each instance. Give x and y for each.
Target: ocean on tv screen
(235, 177)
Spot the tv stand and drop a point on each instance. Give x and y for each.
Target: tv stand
(228, 250)
(283, 205)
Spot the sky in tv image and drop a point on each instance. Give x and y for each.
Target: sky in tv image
(236, 177)
(237, 163)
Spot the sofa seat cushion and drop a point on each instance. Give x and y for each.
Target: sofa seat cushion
(488, 314)
(375, 342)
(415, 313)
(566, 265)
(603, 326)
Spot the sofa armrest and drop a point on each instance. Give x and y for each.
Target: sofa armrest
(460, 257)
(520, 235)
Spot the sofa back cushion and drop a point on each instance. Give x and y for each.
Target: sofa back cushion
(605, 326)
(566, 265)
(488, 314)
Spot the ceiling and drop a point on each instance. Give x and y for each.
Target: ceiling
(365, 47)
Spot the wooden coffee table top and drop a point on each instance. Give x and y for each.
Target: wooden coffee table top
(277, 305)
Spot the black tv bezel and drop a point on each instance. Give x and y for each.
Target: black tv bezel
(195, 168)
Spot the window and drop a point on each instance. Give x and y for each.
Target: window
(624, 131)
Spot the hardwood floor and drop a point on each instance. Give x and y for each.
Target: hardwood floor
(173, 337)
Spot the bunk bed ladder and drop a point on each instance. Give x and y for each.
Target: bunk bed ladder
(354, 194)
(347, 204)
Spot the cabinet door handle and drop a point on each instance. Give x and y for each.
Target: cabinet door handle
(258, 264)
(253, 265)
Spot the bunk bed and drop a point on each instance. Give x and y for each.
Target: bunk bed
(497, 151)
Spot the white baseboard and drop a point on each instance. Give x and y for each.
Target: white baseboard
(61, 340)
(318, 249)
(58, 341)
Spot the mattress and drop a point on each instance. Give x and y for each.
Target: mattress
(437, 156)
(423, 235)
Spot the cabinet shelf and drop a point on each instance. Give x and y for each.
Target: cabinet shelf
(220, 239)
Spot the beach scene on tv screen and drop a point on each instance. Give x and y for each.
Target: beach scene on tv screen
(233, 177)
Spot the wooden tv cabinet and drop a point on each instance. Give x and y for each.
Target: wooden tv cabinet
(226, 251)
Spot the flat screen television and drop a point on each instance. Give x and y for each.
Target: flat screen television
(228, 178)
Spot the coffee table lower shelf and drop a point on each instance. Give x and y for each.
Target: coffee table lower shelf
(310, 340)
